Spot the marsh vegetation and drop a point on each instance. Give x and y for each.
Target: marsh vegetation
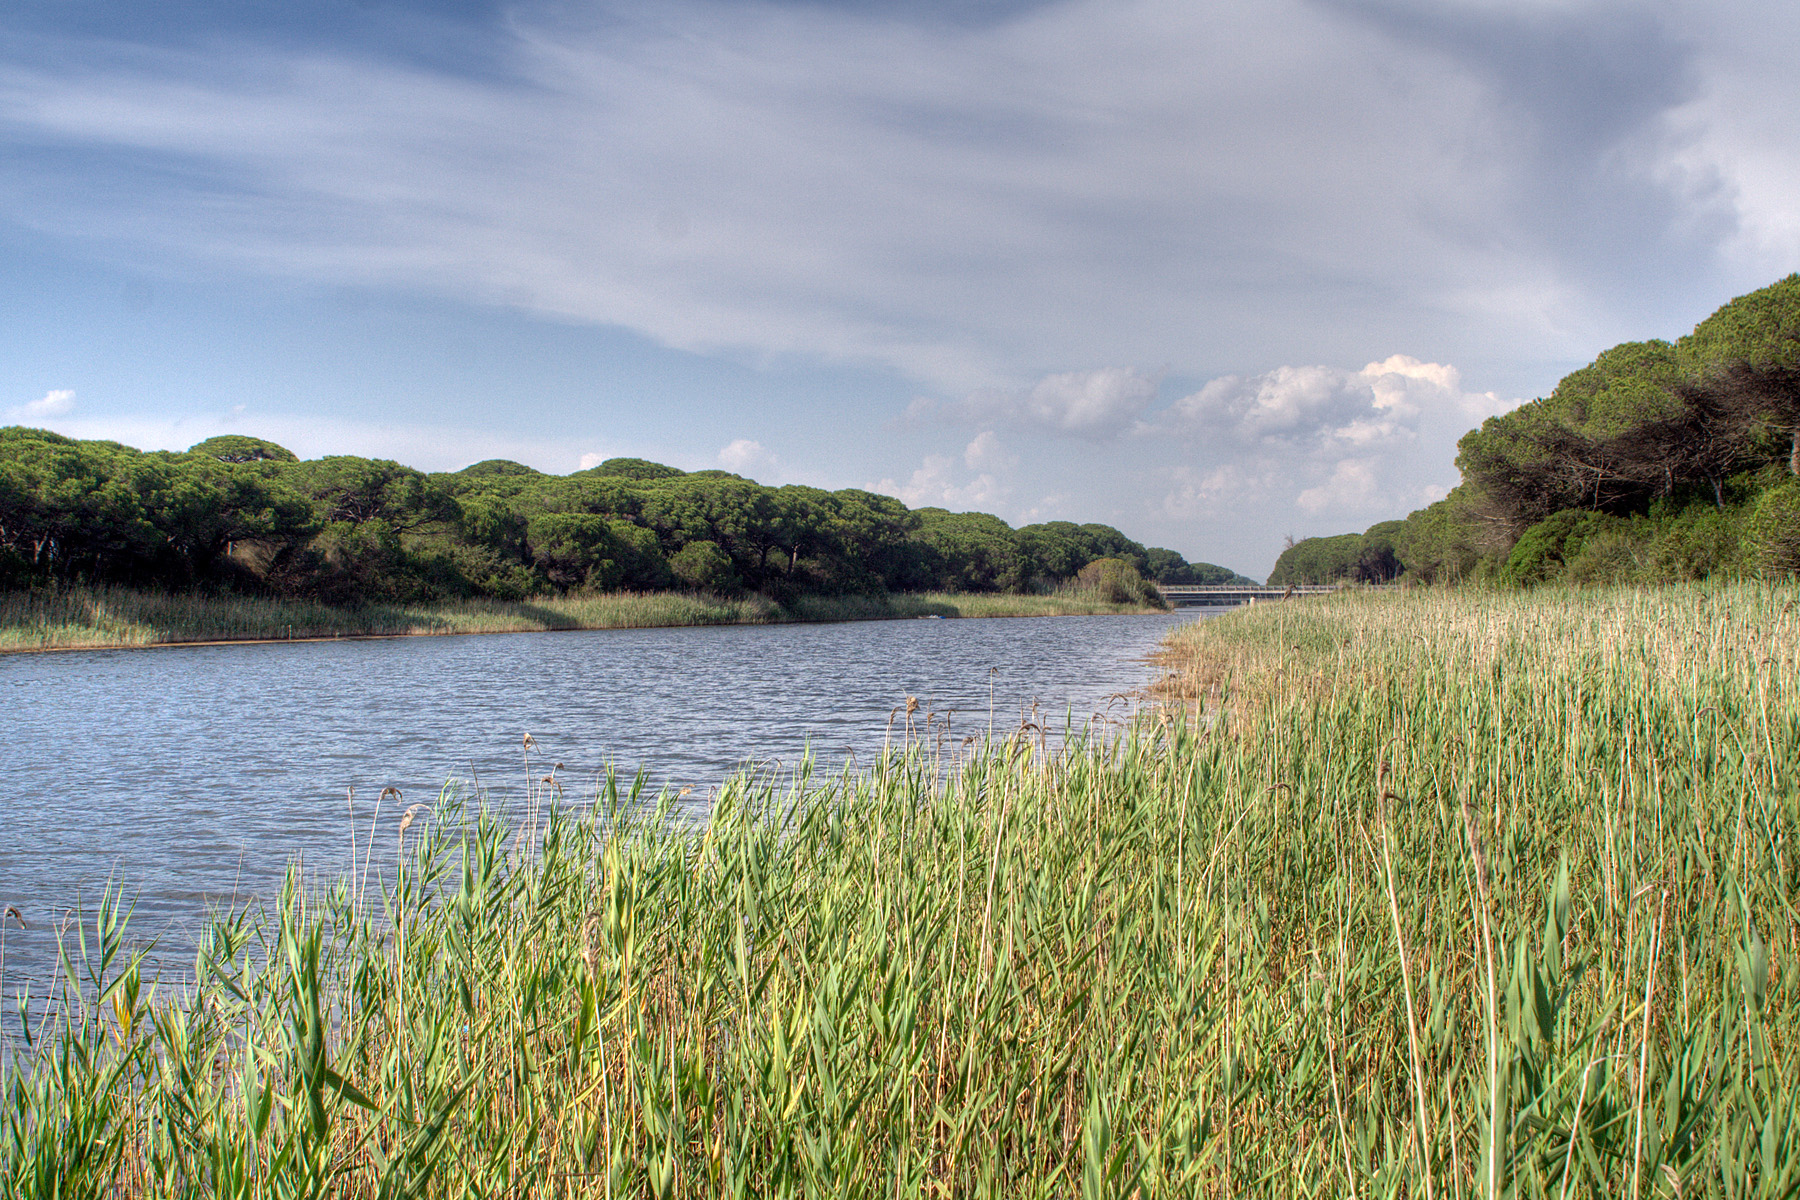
(69, 618)
(1446, 894)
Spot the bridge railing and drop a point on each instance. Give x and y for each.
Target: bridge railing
(1209, 589)
(1222, 594)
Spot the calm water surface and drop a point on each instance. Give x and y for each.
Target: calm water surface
(195, 775)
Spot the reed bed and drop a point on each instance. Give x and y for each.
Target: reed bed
(89, 618)
(1426, 895)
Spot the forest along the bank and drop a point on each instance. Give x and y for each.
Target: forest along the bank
(1659, 461)
(241, 514)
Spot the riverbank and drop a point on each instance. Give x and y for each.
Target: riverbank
(1452, 894)
(99, 618)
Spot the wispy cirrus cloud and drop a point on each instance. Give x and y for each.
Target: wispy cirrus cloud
(964, 202)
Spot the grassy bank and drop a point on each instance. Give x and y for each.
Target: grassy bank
(83, 618)
(1451, 896)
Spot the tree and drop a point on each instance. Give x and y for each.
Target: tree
(344, 488)
(1765, 400)
(236, 448)
(635, 468)
(704, 567)
(586, 550)
(967, 552)
(500, 466)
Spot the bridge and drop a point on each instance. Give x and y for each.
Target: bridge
(1225, 594)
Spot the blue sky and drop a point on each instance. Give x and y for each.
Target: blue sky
(1215, 273)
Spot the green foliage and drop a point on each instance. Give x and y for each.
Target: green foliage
(641, 469)
(1481, 894)
(594, 552)
(703, 567)
(1168, 567)
(1761, 329)
(1442, 542)
(1540, 553)
(1651, 433)
(499, 466)
(344, 488)
(1317, 560)
(350, 530)
(967, 552)
(1370, 557)
(1117, 581)
(1773, 530)
(236, 448)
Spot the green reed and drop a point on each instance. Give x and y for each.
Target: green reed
(80, 618)
(1445, 895)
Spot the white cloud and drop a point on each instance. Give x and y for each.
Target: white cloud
(985, 453)
(593, 459)
(938, 484)
(1093, 404)
(54, 403)
(746, 457)
(1093, 180)
(1384, 403)
(1192, 493)
(1351, 489)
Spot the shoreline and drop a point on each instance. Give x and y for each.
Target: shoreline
(121, 619)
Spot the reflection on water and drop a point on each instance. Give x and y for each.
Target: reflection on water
(195, 775)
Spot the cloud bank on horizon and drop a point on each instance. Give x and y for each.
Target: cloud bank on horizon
(1094, 259)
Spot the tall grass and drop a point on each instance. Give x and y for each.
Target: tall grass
(78, 618)
(1443, 895)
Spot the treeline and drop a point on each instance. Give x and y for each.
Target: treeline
(241, 513)
(1658, 461)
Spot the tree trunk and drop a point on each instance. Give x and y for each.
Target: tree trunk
(1794, 454)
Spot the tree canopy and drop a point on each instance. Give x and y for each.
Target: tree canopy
(1652, 462)
(240, 512)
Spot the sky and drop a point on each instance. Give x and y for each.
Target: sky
(1218, 273)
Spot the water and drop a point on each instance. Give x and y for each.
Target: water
(195, 775)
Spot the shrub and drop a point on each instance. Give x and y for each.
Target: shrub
(1117, 582)
(1542, 551)
(704, 567)
(1772, 535)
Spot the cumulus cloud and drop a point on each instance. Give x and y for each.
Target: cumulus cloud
(1382, 404)
(1351, 488)
(54, 403)
(1087, 404)
(1196, 493)
(1321, 448)
(983, 484)
(746, 457)
(984, 452)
